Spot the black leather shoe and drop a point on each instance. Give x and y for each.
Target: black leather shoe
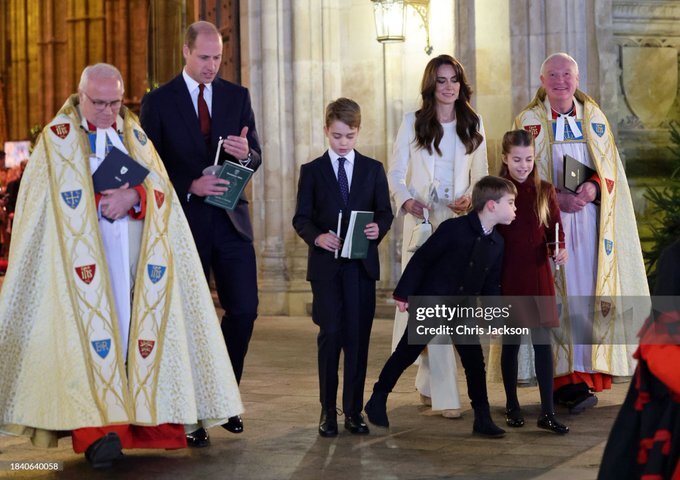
(328, 423)
(355, 424)
(376, 410)
(198, 438)
(514, 418)
(234, 425)
(104, 451)
(547, 421)
(485, 427)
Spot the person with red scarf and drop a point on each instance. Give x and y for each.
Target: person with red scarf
(644, 442)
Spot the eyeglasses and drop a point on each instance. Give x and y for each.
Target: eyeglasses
(101, 105)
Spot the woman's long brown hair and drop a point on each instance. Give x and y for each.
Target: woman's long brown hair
(429, 131)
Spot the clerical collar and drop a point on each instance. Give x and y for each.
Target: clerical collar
(92, 128)
(570, 113)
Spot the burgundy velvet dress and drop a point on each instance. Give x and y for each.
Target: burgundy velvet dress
(526, 264)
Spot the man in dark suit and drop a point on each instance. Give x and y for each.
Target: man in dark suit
(344, 289)
(185, 118)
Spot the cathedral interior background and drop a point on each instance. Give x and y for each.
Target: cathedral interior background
(297, 55)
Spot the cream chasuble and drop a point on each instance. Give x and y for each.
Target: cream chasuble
(63, 364)
(605, 259)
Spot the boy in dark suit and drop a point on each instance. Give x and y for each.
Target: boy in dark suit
(463, 257)
(344, 290)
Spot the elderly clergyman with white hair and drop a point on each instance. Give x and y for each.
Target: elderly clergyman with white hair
(107, 325)
(600, 289)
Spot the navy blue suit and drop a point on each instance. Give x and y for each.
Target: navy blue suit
(223, 238)
(343, 289)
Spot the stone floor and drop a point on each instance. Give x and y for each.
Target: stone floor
(280, 393)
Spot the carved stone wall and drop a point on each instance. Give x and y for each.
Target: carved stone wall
(295, 56)
(647, 40)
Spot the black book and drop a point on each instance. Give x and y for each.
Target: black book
(117, 169)
(575, 173)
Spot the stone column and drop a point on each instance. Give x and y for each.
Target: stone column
(270, 54)
(465, 44)
(541, 27)
(308, 138)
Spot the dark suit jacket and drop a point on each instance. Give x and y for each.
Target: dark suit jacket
(169, 119)
(668, 271)
(318, 204)
(458, 259)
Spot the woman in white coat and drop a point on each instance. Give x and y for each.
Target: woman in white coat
(439, 154)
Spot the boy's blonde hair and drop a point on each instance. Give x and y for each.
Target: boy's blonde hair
(344, 110)
(491, 188)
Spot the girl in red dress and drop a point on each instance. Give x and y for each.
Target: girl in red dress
(527, 272)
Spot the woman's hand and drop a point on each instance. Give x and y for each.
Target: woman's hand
(460, 205)
(414, 207)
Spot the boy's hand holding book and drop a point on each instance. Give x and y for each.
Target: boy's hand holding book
(372, 231)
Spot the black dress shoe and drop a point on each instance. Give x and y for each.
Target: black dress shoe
(104, 451)
(328, 423)
(547, 421)
(376, 410)
(198, 438)
(514, 418)
(484, 426)
(234, 425)
(355, 424)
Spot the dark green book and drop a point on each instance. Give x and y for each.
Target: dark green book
(238, 177)
(356, 243)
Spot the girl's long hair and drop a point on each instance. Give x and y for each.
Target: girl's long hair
(429, 131)
(522, 138)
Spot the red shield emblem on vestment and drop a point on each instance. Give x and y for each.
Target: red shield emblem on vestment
(145, 347)
(610, 185)
(535, 130)
(605, 307)
(61, 130)
(160, 197)
(86, 273)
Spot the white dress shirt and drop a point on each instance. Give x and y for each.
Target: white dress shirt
(192, 85)
(349, 165)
